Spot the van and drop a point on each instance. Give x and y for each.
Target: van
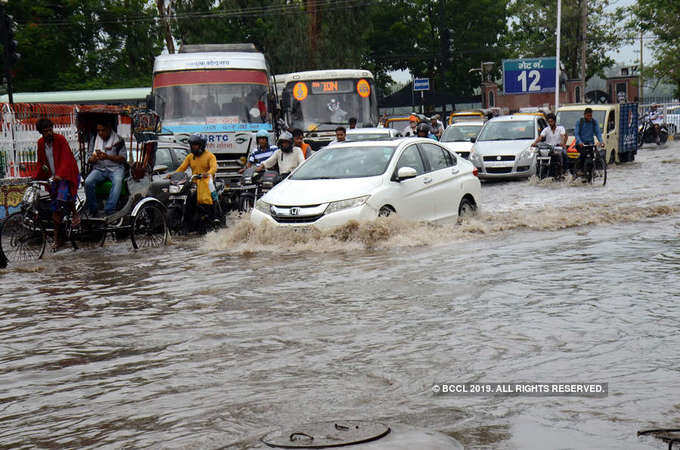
(618, 125)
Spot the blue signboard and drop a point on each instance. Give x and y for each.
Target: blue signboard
(529, 76)
(421, 84)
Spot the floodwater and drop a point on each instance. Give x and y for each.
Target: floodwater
(213, 342)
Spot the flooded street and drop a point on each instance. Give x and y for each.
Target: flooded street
(213, 342)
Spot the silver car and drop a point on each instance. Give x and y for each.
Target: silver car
(503, 147)
(371, 134)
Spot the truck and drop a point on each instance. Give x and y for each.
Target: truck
(618, 124)
(319, 101)
(220, 91)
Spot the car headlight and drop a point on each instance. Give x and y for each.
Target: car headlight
(476, 158)
(263, 207)
(346, 204)
(174, 189)
(527, 153)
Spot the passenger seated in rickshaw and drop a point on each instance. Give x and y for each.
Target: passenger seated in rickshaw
(108, 163)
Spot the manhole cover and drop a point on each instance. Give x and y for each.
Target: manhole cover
(327, 434)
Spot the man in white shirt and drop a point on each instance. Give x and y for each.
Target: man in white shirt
(287, 157)
(554, 135)
(108, 160)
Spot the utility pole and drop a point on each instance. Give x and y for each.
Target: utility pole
(167, 31)
(557, 52)
(641, 67)
(584, 40)
(313, 17)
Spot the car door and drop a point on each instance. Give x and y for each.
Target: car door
(444, 188)
(409, 197)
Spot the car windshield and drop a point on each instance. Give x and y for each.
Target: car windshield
(568, 119)
(367, 136)
(345, 162)
(461, 133)
(507, 130)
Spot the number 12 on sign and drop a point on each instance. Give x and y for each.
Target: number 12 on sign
(535, 77)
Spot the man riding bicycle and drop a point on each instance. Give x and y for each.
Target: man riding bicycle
(585, 131)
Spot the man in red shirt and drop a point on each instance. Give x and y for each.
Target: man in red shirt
(55, 159)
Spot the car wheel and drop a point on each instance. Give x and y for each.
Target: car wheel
(467, 208)
(385, 211)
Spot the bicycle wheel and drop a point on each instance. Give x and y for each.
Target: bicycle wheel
(599, 172)
(149, 227)
(21, 241)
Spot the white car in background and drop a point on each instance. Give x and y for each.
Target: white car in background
(457, 137)
(372, 134)
(416, 178)
(503, 147)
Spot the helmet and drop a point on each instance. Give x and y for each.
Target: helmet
(423, 127)
(286, 136)
(262, 133)
(197, 139)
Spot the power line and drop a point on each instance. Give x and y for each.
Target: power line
(275, 10)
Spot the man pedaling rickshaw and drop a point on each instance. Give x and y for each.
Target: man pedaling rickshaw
(203, 164)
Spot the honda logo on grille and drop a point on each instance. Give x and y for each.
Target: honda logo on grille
(294, 211)
(498, 158)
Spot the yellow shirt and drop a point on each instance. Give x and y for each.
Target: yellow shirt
(206, 163)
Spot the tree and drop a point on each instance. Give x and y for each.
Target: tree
(84, 45)
(534, 26)
(660, 18)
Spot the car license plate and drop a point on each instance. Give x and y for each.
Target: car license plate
(497, 164)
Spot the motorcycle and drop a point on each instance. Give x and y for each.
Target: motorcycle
(204, 218)
(549, 161)
(254, 185)
(650, 132)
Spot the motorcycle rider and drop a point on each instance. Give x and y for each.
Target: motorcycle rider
(287, 157)
(262, 152)
(437, 126)
(554, 135)
(423, 130)
(585, 131)
(204, 164)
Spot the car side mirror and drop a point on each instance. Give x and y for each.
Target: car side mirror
(405, 173)
(157, 170)
(473, 140)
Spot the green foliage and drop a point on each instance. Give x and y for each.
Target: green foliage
(534, 26)
(84, 44)
(660, 19)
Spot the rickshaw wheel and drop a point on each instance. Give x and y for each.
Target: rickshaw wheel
(21, 241)
(149, 227)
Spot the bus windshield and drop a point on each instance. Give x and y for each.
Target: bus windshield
(211, 97)
(325, 104)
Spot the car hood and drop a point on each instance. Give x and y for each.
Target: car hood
(315, 192)
(485, 148)
(462, 146)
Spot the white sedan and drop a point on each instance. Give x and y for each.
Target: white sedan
(416, 178)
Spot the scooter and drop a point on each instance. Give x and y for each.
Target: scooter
(203, 218)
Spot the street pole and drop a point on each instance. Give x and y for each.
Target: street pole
(584, 28)
(641, 67)
(557, 65)
(5, 40)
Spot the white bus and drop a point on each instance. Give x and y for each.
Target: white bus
(219, 91)
(319, 101)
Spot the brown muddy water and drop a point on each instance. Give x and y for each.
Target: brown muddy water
(213, 342)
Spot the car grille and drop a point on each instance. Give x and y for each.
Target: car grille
(297, 219)
(498, 169)
(522, 168)
(503, 158)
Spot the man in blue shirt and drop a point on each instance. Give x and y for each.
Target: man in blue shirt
(585, 131)
(262, 152)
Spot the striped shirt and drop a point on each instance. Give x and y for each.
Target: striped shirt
(260, 155)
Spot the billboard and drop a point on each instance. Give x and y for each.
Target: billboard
(529, 76)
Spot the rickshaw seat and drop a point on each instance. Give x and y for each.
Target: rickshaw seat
(104, 188)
